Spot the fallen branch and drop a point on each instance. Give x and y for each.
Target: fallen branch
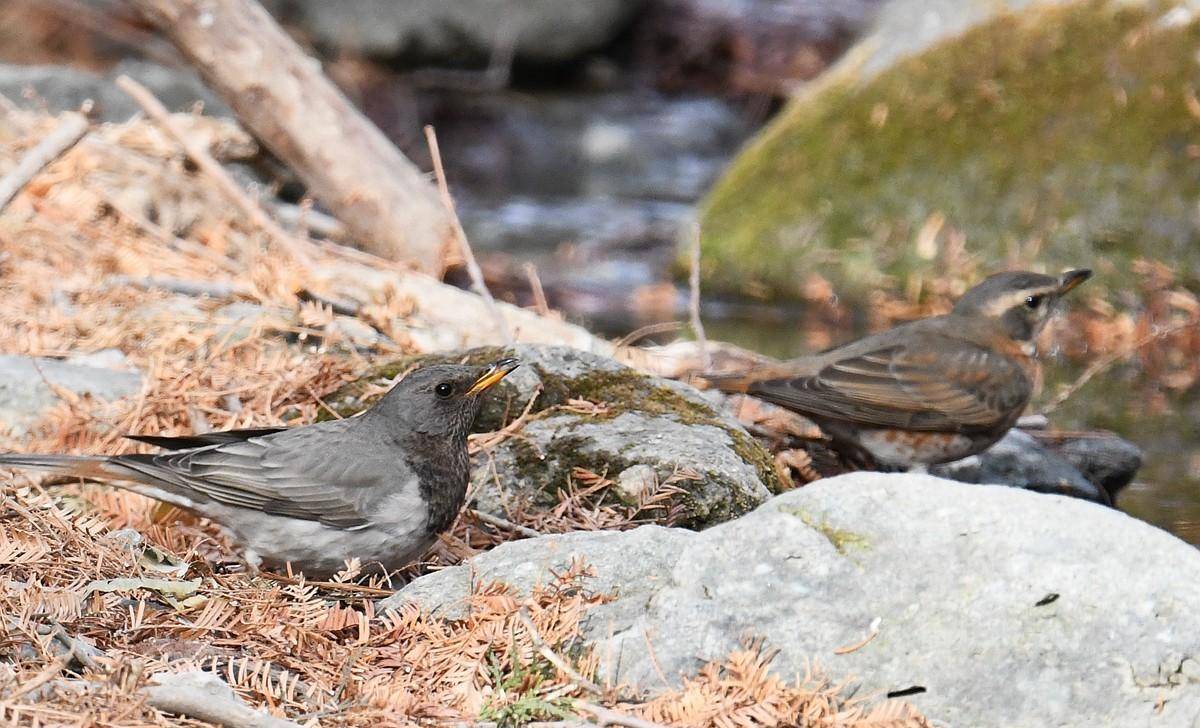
(211, 167)
(75, 651)
(196, 289)
(205, 696)
(464, 245)
(66, 135)
(281, 96)
(330, 585)
(307, 220)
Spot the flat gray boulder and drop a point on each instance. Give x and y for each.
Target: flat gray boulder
(27, 387)
(986, 606)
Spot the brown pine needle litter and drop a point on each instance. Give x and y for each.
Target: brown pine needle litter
(121, 244)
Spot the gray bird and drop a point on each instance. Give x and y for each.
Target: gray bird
(380, 486)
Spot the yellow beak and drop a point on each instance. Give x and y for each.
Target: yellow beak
(494, 374)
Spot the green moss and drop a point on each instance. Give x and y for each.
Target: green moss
(844, 541)
(1061, 135)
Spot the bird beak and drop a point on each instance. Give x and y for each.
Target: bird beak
(1071, 279)
(494, 374)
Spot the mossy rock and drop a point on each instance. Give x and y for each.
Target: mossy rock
(643, 420)
(1059, 136)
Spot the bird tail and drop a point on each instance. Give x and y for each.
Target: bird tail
(742, 381)
(80, 466)
(725, 381)
(99, 467)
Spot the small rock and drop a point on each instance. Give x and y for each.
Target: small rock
(114, 359)
(1108, 461)
(636, 482)
(26, 387)
(1020, 461)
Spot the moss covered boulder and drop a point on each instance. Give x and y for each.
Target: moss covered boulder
(652, 448)
(1060, 135)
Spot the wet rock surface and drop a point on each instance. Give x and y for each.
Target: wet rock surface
(1021, 461)
(987, 606)
(1107, 461)
(594, 415)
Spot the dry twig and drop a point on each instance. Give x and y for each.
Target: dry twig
(503, 523)
(57, 143)
(464, 245)
(554, 658)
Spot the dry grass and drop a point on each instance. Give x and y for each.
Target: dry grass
(121, 207)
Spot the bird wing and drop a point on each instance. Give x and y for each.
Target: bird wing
(930, 383)
(320, 473)
(188, 442)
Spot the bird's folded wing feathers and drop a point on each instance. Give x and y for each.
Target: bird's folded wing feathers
(932, 385)
(187, 442)
(287, 474)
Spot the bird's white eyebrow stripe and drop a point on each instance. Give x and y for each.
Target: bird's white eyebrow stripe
(1015, 298)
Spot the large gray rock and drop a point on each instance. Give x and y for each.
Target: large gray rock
(594, 413)
(1007, 608)
(540, 30)
(27, 387)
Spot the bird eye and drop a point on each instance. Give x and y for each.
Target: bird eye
(1032, 302)
(443, 390)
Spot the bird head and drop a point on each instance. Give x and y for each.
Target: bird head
(442, 399)
(1019, 301)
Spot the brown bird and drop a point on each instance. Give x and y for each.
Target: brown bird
(929, 391)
